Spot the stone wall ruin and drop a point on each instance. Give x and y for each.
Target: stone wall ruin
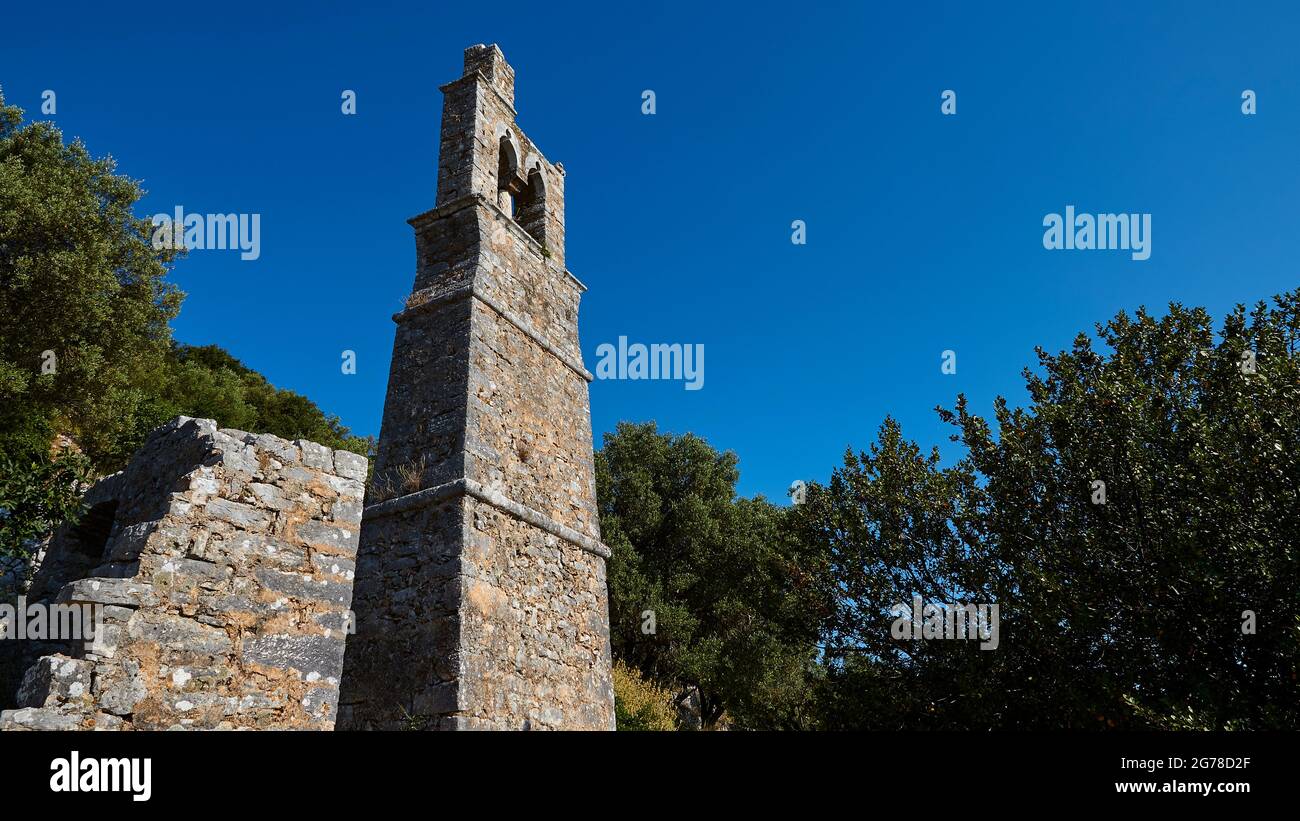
(219, 564)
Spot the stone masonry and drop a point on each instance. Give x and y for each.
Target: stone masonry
(480, 589)
(221, 566)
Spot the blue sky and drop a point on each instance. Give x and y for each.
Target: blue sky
(924, 232)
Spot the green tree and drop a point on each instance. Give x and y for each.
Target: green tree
(1122, 610)
(208, 382)
(719, 575)
(80, 280)
(1137, 604)
(892, 524)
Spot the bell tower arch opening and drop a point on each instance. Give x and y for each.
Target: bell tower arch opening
(509, 186)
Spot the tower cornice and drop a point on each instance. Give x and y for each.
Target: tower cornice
(470, 200)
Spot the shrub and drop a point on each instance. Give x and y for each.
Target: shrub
(639, 704)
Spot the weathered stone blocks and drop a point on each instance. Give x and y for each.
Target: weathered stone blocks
(222, 585)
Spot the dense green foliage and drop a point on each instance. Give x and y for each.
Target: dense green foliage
(729, 625)
(85, 344)
(210, 383)
(79, 279)
(38, 494)
(1130, 613)
(1122, 611)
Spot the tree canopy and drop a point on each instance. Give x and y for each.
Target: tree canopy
(704, 597)
(1136, 523)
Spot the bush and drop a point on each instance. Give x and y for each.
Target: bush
(639, 704)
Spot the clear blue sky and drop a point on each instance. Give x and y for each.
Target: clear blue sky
(924, 231)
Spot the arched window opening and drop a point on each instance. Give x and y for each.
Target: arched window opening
(508, 183)
(532, 207)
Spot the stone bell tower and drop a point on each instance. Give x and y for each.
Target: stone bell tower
(480, 594)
